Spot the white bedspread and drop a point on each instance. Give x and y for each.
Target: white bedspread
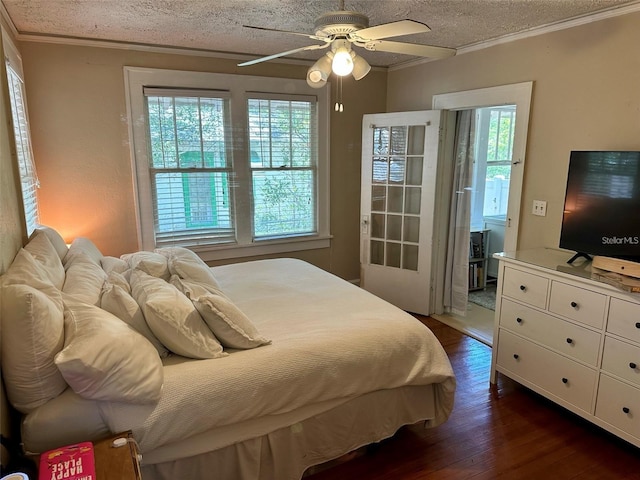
(331, 340)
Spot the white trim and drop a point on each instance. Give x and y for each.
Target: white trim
(143, 47)
(262, 248)
(12, 54)
(532, 32)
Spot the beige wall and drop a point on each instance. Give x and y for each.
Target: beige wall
(586, 95)
(80, 139)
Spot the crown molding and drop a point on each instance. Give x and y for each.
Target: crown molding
(5, 20)
(142, 47)
(533, 32)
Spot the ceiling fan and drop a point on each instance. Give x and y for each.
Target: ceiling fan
(340, 30)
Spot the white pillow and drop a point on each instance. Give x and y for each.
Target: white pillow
(85, 245)
(120, 303)
(26, 270)
(228, 323)
(44, 252)
(113, 264)
(32, 334)
(188, 265)
(84, 278)
(56, 240)
(105, 359)
(173, 319)
(151, 263)
(120, 279)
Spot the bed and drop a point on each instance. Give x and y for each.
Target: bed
(323, 367)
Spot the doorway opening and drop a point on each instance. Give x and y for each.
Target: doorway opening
(495, 184)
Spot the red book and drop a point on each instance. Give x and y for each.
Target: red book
(73, 462)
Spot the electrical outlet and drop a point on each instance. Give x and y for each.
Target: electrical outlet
(539, 208)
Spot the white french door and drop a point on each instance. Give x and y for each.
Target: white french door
(399, 165)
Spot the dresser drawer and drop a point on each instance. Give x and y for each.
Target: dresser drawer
(578, 304)
(622, 359)
(618, 404)
(570, 339)
(526, 287)
(558, 375)
(624, 319)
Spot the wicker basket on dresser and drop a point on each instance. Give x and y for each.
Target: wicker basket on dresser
(570, 338)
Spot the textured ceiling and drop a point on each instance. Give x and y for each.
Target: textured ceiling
(216, 25)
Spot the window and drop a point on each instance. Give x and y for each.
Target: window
(226, 168)
(494, 148)
(26, 164)
(190, 168)
(283, 166)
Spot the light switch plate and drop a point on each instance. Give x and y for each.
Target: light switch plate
(539, 208)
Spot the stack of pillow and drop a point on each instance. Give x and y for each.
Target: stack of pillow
(72, 317)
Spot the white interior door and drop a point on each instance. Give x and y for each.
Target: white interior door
(399, 165)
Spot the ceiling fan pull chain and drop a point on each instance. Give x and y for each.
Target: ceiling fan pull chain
(339, 107)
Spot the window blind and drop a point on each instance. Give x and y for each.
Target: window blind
(28, 177)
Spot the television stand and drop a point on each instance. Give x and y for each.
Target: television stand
(578, 255)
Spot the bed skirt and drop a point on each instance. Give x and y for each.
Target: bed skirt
(286, 452)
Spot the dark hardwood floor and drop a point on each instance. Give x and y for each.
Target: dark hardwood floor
(502, 432)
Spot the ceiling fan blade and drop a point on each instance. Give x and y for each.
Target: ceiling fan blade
(393, 29)
(313, 37)
(410, 49)
(283, 54)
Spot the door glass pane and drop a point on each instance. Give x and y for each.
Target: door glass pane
(396, 192)
(412, 229)
(410, 257)
(396, 170)
(377, 225)
(393, 254)
(414, 170)
(394, 203)
(377, 252)
(380, 170)
(394, 227)
(416, 140)
(378, 198)
(398, 140)
(380, 141)
(412, 202)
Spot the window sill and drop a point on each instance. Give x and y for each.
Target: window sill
(262, 247)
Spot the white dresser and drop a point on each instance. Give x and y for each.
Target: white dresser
(570, 338)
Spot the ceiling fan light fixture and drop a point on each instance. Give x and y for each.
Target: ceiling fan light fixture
(342, 63)
(319, 72)
(360, 67)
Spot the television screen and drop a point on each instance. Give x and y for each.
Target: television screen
(602, 204)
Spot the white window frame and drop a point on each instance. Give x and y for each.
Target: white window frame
(240, 88)
(29, 182)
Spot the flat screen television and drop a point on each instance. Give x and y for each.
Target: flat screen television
(602, 205)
